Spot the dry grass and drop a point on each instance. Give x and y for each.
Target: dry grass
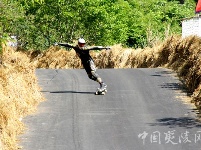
(19, 95)
(55, 58)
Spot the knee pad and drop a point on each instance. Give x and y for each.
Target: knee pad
(92, 66)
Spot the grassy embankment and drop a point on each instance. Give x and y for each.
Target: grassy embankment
(20, 92)
(19, 95)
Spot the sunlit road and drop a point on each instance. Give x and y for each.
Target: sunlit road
(141, 111)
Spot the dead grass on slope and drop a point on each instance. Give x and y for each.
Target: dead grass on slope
(55, 58)
(19, 95)
(185, 59)
(183, 56)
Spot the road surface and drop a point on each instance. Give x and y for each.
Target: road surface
(141, 111)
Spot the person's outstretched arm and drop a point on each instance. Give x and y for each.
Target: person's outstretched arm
(65, 45)
(98, 48)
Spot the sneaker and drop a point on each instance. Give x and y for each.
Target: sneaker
(103, 86)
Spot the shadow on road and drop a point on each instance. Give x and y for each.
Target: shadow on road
(68, 92)
(185, 122)
(172, 86)
(162, 73)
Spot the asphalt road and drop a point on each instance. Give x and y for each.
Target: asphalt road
(142, 110)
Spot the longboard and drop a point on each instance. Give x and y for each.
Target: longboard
(101, 92)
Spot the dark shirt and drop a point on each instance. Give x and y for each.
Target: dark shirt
(83, 52)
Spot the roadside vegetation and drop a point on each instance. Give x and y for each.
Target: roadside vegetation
(40, 23)
(19, 95)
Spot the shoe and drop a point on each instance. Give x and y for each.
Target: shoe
(103, 86)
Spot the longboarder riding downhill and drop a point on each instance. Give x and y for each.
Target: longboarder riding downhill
(83, 53)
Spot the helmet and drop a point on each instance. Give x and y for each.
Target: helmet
(81, 42)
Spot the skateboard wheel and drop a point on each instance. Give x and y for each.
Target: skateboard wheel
(99, 92)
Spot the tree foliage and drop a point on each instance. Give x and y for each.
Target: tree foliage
(40, 23)
(10, 21)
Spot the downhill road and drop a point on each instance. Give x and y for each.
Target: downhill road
(142, 110)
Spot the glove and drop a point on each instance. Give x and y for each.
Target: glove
(107, 48)
(56, 44)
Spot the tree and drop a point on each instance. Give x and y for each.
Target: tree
(11, 18)
(156, 19)
(106, 22)
(100, 21)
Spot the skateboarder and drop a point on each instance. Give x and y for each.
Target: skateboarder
(83, 53)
